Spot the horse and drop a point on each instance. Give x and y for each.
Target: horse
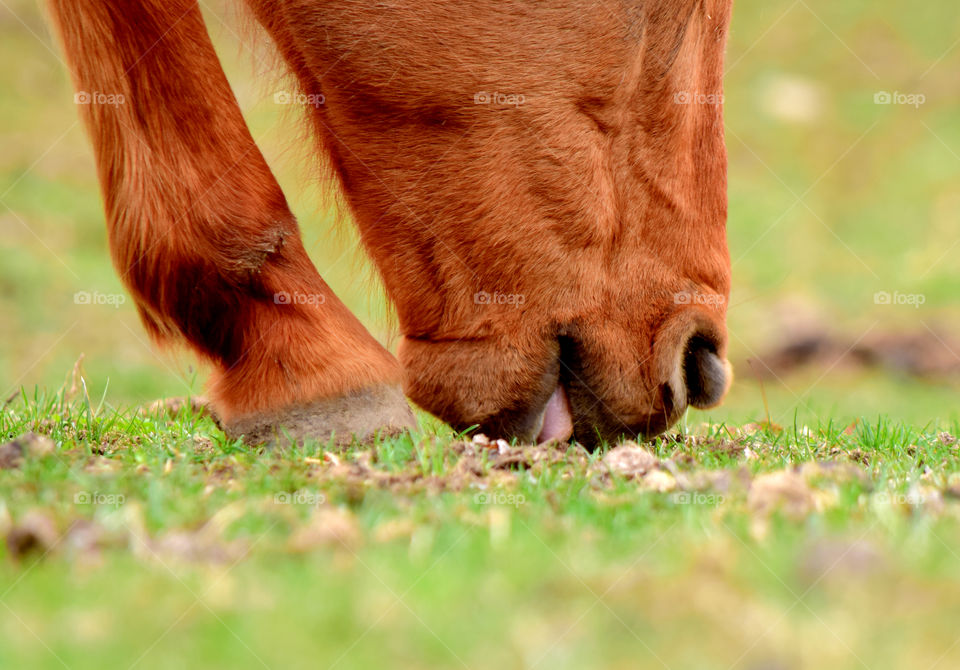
(540, 185)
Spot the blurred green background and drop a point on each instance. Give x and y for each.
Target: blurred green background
(833, 197)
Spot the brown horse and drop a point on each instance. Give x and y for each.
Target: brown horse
(542, 186)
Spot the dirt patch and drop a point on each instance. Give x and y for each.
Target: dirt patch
(35, 533)
(171, 407)
(630, 460)
(500, 455)
(28, 445)
(785, 491)
(926, 354)
(326, 527)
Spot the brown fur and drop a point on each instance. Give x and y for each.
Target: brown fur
(598, 200)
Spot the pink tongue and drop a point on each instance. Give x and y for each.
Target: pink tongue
(557, 422)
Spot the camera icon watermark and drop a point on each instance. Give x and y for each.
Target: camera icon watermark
(296, 298)
(296, 98)
(697, 98)
(98, 98)
(697, 298)
(896, 98)
(910, 499)
(697, 498)
(500, 498)
(97, 498)
(497, 298)
(914, 300)
(500, 99)
(300, 497)
(96, 298)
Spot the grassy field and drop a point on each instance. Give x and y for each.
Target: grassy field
(832, 199)
(136, 539)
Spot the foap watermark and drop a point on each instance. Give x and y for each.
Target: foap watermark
(697, 98)
(99, 98)
(696, 498)
(97, 298)
(300, 497)
(297, 298)
(897, 298)
(500, 99)
(910, 498)
(697, 298)
(497, 298)
(98, 498)
(500, 498)
(297, 98)
(897, 98)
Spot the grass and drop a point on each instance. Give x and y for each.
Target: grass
(878, 210)
(165, 545)
(140, 540)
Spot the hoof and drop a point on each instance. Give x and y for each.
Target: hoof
(360, 415)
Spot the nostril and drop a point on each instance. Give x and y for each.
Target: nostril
(706, 375)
